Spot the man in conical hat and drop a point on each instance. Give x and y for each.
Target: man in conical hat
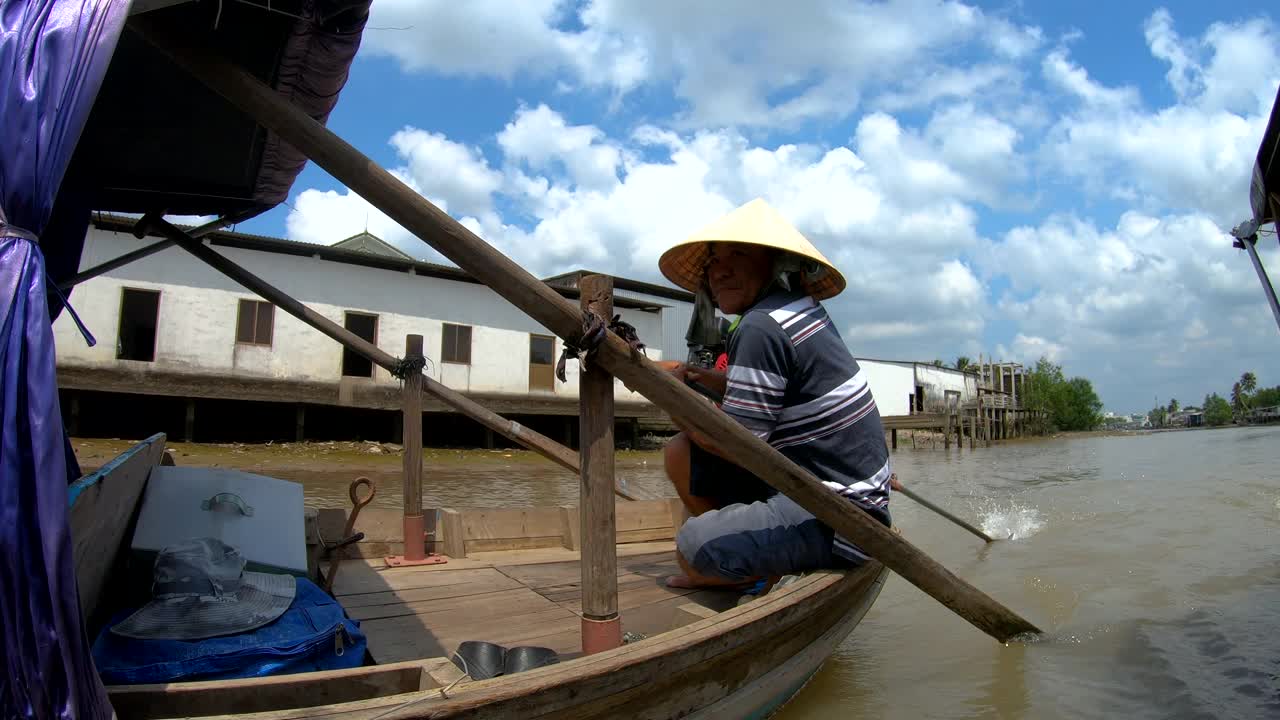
(793, 383)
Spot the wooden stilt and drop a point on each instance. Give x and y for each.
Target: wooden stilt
(189, 427)
(73, 422)
(601, 626)
(300, 423)
(414, 212)
(893, 434)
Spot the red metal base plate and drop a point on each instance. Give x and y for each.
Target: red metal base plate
(401, 561)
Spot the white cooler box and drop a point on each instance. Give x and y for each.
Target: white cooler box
(260, 516)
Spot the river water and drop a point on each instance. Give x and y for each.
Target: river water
(1149, 560)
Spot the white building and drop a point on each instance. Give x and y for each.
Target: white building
(904, 387)
(170, 326)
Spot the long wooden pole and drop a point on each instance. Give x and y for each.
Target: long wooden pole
(416, 214)
(414, 524)
(601, 626)
(516, 432)
(911, 494)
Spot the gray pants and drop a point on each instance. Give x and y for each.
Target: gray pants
(766, 538)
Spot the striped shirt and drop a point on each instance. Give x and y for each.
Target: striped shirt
(793, 383)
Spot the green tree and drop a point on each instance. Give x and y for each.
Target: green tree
(1173, 406)
(1076, 406)
(1237, 398)
(1216, 410)
(1248, 383)
(1059, 403)
(937, 363)
(1267, 397)
(962, 363)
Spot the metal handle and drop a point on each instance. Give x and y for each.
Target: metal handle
(223, 499)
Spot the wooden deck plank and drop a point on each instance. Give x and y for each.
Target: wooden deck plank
(414, 636)
(490, 603)
(492, 558)
(529, 597)
(357, 577)
(431, 592)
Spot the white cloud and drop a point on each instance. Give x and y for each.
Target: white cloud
(747, 63)
(455, 173)
(1110, 303)
(542, 139)
(1194, 155)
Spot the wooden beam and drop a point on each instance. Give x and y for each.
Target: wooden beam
(135, 255)
(453, 240)
(535, 441)
(601, 627)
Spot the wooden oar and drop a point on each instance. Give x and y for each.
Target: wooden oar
(911, 494)
(538, 300)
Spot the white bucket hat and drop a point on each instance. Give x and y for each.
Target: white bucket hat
(201, 590)
(755, 223)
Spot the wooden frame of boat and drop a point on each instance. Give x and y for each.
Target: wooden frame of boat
(711, 659)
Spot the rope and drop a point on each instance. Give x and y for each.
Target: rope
(594, 331)
(406, 367)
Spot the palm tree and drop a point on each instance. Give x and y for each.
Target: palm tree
(1237, 398)
(962, 362)
(1248, 383)
(1173, 406)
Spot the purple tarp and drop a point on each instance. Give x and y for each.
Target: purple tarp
(53, 55)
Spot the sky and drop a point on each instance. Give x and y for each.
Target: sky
(1020, 180)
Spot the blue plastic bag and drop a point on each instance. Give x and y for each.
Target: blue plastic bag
(313, 634)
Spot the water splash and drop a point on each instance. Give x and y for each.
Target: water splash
(1012, 521)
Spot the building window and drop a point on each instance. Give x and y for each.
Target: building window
(366, 326)
(457, 344)
(920, 398)
(542, 362)
(136, 339)
(255, 322)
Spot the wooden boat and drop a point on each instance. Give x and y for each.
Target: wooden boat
(514, 578)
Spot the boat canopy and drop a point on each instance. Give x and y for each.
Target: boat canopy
(1266, 171)
(96, 120)
(158, 140)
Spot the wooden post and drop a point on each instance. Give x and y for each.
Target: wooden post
(541, 302)
(946, 433)
(300, 423)
(453, 533)
(415, 526)
(894, 435)
(601, 626)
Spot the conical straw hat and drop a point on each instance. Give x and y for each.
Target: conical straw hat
(755, 223)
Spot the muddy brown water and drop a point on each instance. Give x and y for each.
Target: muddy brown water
(1151, 562)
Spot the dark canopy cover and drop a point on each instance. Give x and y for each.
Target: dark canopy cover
(1266, 171)
(93, 119)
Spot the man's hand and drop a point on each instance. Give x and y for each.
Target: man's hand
(713, 380)
(678, 369)
(894, 484)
